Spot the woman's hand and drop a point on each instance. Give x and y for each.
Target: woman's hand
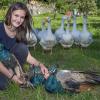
(33, 61)
(44, 70)
(17, 80)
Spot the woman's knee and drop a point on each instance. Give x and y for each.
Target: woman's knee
(20, 50)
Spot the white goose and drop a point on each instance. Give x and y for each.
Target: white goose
(67, 39)
(49, 40)
(35, 31)
(31, 38)
(41, 33)
(60, 31)
(86, 37)
(75, 32)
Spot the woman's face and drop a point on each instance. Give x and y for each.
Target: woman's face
(17, 18)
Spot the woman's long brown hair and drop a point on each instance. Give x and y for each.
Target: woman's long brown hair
(22, 30)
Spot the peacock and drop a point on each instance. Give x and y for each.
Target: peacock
(64, 80)
(78, 81)
(10, 61)
(85, 36)
(49, 40)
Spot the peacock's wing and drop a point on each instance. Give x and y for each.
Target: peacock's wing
(8, 59)
(77, 80)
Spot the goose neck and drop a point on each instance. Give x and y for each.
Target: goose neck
(67, 28)
(67, 25)
(62, 23)
(43, 27)
(74, 22)
(84, 23)
(74, 25)
(49, 28)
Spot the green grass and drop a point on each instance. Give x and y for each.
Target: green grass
(75, 58)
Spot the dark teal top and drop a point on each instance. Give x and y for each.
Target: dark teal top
(19, 49)
(5, 39)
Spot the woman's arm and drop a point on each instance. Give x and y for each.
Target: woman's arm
(9, 74)
(33, 61)
(5, 71)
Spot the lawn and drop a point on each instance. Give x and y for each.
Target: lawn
(75, 58)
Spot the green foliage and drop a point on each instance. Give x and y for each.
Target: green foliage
(61, 6)
(98, 12)
(86, 6)
(3, 12)
(4, 4)
(98, 4)
(8, 2)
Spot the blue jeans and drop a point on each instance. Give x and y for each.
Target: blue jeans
(3, 82)
(20, 51)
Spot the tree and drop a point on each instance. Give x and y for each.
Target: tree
(98, 4)
(8, 2)
(86, 6)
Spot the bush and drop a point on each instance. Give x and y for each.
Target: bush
(98, 12)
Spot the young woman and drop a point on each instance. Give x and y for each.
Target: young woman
(13, 36)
